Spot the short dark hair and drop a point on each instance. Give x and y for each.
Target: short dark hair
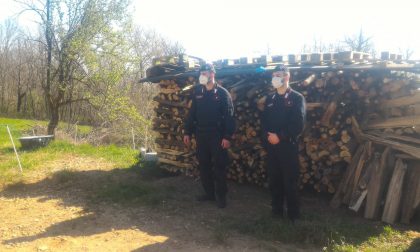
(207, 67)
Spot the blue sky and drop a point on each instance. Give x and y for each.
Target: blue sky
(215, 29)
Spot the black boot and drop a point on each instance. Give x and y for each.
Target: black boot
(221, 201)
(277, 213)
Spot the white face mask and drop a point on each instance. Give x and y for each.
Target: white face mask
(203, 80)
(277, 82)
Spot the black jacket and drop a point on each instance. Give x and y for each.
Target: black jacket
(284, 115)
(210, 110)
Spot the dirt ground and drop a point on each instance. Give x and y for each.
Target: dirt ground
(85, 204)
(61, 211)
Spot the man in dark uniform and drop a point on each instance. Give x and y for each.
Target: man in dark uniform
(282, 122)
(211, 120)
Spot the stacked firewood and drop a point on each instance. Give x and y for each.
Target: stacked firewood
(382, 180)
(356, 119)
(173, 104)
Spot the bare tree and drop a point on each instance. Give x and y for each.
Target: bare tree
(318, 46)
(407, 53)
(359, 42)
(8, 32)
(147, 44)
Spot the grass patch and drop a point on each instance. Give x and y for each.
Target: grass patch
(134, 194)
(36, 159)
(388, 240)
(328, 233)
(64, 176)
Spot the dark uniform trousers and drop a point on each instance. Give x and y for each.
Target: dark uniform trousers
(212, 160)
(283, 174)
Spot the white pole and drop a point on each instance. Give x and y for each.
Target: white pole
(145, 138)
(75, 134)
(134, 143)
(14, 147)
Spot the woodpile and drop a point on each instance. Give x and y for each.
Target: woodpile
(361, 141)
(383, 179)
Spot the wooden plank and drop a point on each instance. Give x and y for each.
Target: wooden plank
(314, 105)
(376, 187)
(328, 56)
(358, 172)
(396, 137)
(170, 151)
(326, 118)
(357, 132)
(175, 163)
(317, 58)
(359, 194)
(348, 175)
(393, 198)
(410, 190)
(402, 101)
(385, 55)
(310, 79)
(305, 58)
(398, 122)
(169, 90)
(405, 156)
(411, 150)
(294, 58)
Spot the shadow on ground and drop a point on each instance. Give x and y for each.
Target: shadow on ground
(148, 199)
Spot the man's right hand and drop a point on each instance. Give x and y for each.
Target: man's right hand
(273, 138)
(187, 140)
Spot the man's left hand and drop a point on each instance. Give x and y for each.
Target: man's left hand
(225, 143)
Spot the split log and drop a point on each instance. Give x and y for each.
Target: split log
(311, 78)
(348, 175)
(358, 172)
(402, 101)
(408, 121)
(410, 191)
(175, 163)
(359, 194)
(396, 137)
(411, 150)
(377, 186)
(393, 198)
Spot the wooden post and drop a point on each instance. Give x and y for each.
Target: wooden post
(14, 148)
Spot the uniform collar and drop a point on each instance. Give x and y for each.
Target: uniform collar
(214, 90)
(285, 95)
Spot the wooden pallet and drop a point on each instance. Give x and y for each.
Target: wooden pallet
(391, 56)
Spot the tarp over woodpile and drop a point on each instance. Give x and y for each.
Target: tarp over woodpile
(362, 137)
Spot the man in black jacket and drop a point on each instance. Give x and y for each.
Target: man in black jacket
(211, 120)
(282, 123)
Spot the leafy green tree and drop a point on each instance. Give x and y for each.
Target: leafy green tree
(80, 37)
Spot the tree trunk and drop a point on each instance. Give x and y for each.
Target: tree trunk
(54, 118)
(19, 101)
